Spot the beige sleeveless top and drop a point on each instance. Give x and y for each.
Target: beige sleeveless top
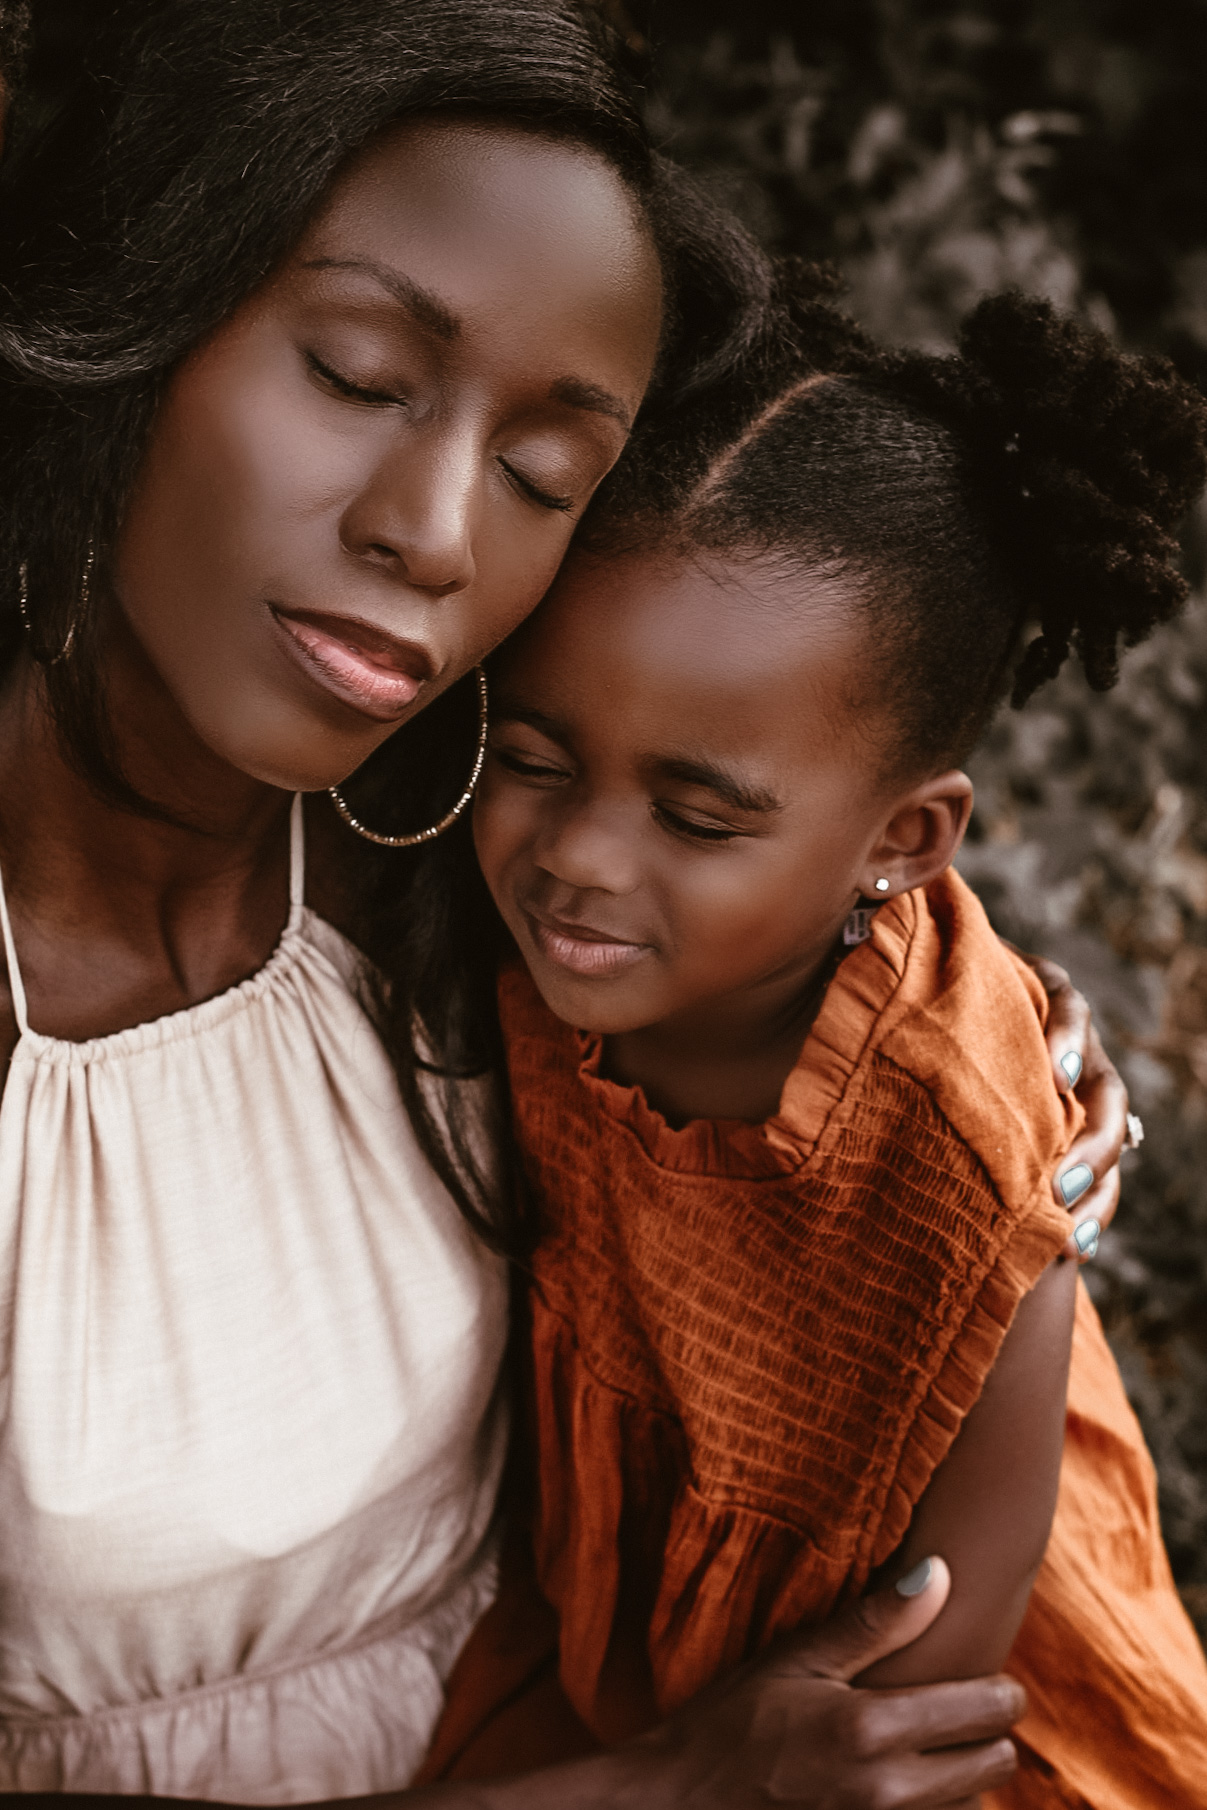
(250, 1424)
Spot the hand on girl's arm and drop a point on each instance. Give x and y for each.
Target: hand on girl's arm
(1080, 1065)
(989, 1506)
(789, 1729)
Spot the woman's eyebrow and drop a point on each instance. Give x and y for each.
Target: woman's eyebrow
(739, 793)
(431, 312)
(426, 307)
(593, 397)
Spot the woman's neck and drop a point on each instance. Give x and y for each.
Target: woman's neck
(120, 917)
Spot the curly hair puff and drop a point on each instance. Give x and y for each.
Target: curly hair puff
(991, 511)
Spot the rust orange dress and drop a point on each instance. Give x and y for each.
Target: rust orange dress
(753, 1344)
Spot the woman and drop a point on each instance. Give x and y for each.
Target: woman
(321, 326)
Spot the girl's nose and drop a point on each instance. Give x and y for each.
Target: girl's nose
(414, 519)
(591, 849)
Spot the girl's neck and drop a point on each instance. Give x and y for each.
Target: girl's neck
(727, 1060)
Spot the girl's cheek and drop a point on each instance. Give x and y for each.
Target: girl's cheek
(501, 830)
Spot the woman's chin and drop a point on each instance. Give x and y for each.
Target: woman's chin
(282, 747)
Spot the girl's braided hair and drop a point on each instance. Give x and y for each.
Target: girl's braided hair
(1033, 481)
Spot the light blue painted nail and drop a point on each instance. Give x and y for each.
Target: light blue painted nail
(914, 1582)
(1086, 1237)
(1075, 1181)
(1071, 1064)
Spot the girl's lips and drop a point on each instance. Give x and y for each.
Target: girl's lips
(376, 674)
(588, 952)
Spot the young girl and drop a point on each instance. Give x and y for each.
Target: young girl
(782, 1097)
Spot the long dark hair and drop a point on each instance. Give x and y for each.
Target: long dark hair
(191, 155)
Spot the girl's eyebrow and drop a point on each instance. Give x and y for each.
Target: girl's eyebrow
(502, 710)
(739, 793)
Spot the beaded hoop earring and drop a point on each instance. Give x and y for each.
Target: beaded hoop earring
(23, 605)
(450, 817)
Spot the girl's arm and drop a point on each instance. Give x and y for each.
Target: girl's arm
(989, 1506)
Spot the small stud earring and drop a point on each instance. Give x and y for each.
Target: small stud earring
(882, 885)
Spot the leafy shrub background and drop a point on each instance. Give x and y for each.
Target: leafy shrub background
(933, 152)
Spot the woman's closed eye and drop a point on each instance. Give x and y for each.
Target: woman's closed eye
(527, 488)
(348, 388)
(370, 397)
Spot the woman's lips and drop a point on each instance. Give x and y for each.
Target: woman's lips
(374, 672)
(581, 949)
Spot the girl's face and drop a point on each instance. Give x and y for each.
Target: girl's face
(369, 474)
(681, 801)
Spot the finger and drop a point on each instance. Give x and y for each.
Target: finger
(1095, 1151)
(1069, 1027)
(1091, 1218)
(871, 1628)
(1104, 1098)
(923, 1781)
(926, 1716)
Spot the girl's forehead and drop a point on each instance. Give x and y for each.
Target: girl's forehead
(695, 608)
(636, 643)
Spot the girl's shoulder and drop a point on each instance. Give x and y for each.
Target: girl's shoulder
(933, 1028)
(929, 1043)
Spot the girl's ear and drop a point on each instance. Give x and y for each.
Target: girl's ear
(921, 837)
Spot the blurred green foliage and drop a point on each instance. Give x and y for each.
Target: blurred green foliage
(934, 151)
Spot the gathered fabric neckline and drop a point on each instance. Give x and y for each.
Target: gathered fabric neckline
(186, 1021)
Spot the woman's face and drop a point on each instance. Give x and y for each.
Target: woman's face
(368, 475)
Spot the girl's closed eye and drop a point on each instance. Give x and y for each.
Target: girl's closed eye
(534, 766)
(680, 822)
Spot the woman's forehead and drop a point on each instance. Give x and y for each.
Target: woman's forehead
(499, 218)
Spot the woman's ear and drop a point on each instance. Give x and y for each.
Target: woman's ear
(921, 836)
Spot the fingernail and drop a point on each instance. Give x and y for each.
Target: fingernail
(914, 1582)
(1075, 1181)
(1071, 1064)
(1086, 1237)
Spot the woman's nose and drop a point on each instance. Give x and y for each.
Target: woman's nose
(414, 519)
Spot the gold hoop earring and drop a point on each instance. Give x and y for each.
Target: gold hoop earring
(450, 817)
(23, 605)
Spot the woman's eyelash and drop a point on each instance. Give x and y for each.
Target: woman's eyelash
(562, 503)
(698, 832)
(345, 386)
(358, 393)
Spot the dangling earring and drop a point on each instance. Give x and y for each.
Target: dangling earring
(858, 927)
(23, 605)
(450, 817)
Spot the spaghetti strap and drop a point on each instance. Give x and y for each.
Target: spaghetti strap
(297, 861)
(16, 985)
